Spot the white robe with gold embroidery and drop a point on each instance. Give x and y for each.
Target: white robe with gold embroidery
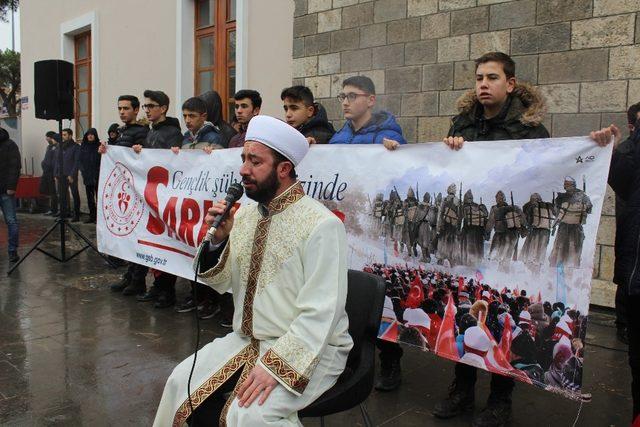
(288, 274)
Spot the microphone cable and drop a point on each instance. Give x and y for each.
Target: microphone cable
(194, 296)
(234, 193)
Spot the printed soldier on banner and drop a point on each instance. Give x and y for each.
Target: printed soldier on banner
(393, 208)
(425, 225)
(508, 223)
(378, 213)
(448, 228)
(572, 208)
(539, 216)
(474, 222)
(410, 208)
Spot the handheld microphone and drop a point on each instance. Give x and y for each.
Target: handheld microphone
(234, 193)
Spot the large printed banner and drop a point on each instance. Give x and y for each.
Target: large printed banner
(487, 252)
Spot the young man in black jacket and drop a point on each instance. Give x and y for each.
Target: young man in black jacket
(10, 166)
(499, 108)
(69, 172)
(625, 147)
(624, 179)
(309, 117)
(130, 134)
(89, 162)
(164, 134)
(165, 131)
(47, 181)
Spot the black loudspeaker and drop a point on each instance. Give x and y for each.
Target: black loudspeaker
(53, 94)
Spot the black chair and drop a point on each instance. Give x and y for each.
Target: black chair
(365, 299)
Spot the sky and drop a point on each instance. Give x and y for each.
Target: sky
(5, 32)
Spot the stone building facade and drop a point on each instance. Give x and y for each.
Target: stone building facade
(584, 55)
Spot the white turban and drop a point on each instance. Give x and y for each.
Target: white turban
(279, 136)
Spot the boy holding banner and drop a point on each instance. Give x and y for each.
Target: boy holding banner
(498, 109)
(364, 126)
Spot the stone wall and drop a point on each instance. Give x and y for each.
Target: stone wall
(583, 54)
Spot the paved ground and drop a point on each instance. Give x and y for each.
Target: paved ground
(72, 353)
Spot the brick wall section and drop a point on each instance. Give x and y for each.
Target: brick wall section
(583, 54)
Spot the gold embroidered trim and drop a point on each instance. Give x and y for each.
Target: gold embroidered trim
(257, 254)
(254, 349)
(284, 371)
(286, 199)
(220, 266)
(213, 383)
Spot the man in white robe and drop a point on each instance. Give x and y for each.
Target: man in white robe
(284, 259)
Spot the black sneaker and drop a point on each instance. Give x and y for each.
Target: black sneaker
(208, 310)
(460, 400)
(495, 414)
(165, 300)
(136, 287)
(226, 322)
(187, 306)
(123, 283)
(13, 256)
(151, 295)
(390, 377)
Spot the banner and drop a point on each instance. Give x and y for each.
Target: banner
(487, 252)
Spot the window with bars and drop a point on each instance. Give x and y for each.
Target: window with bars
(215, 50)
(82, 79)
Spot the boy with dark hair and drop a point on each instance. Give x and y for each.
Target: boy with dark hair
(499, 108)
(130, 134)
(69, 173)
(247, 105)
(309, 117)
(363, 124)
(47, 182)
(633, 115)
(112, 133)
(200, 133)
(164, 134)
(165, 131)
(89, 163)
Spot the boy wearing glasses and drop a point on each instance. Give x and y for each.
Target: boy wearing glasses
(165, 131)
(363, 124)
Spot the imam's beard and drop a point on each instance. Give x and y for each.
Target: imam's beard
(264, 191)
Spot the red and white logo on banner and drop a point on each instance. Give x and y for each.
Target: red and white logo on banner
(122, 207)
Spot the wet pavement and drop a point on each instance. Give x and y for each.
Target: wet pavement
(73, 353)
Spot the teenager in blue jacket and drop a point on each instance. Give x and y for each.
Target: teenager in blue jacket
(364, 125)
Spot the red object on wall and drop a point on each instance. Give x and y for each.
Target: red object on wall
(28, 187)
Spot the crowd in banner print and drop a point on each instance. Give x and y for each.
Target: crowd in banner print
(451, 229)
(503, 331)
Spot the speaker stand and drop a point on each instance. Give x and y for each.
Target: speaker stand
(62, 222)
